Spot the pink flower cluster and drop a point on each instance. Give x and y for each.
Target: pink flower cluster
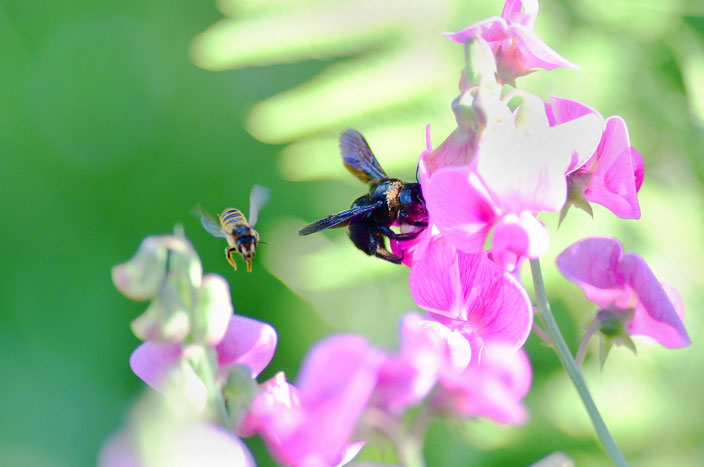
(320, 420)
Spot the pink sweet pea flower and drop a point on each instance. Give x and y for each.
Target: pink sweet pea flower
(513, 173)
(624, 285)
(517, 48)
(469, 293)
(246, 342)
(312, 425)
(492, 386)
(613, 174)
(428, 350)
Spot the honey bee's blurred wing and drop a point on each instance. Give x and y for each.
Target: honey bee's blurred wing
(359, 158)
(339, 219)
(257, 199)
(208, 223)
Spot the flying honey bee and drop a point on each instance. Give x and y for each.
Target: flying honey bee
(238, 231)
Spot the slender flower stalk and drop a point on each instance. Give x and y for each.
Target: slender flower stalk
(563, 353)
(582, 350)
(542, 334)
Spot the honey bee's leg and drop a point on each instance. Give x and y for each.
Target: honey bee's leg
(230, 259)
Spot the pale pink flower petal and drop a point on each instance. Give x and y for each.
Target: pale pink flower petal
(247, 341)
(658, 317)
(523, 12)
(201, 444)
(207, 445)
(491, 387)
(560, 110)
(428, 349)
(613, 183)
(151, 362)
(216, 306)
(527, 172)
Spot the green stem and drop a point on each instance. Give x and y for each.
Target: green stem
(209, 371)
(565, 356)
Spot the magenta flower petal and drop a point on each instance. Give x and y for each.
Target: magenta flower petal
(658, 317)
(517, 237)
(459, 208)
(432, 278)
(151, 361)
(613, 182)
(456, 150)
(247, 341)
(624, 283)
(476, 295)
(492, 387)
(314, 426)
(638, 168)
(593, 264)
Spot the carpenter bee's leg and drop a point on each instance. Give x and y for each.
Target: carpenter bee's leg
(383, 253)
(230, 259)
(386, 230)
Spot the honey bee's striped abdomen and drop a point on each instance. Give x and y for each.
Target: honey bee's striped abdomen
(231, 217)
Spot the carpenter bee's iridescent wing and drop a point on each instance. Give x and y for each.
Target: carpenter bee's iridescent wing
(257, 199)
(208, 223)
(338, 220)
(359, 158)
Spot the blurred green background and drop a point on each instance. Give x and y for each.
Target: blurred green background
(118, 117)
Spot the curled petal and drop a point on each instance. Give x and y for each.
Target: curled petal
(534, 53)
(656, 316)
(517, 237)
(613, 183)
(456, 150)
(593, 264)
(247, 341)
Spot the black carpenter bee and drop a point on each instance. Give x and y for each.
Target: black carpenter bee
(389, 201)
(236, 229)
